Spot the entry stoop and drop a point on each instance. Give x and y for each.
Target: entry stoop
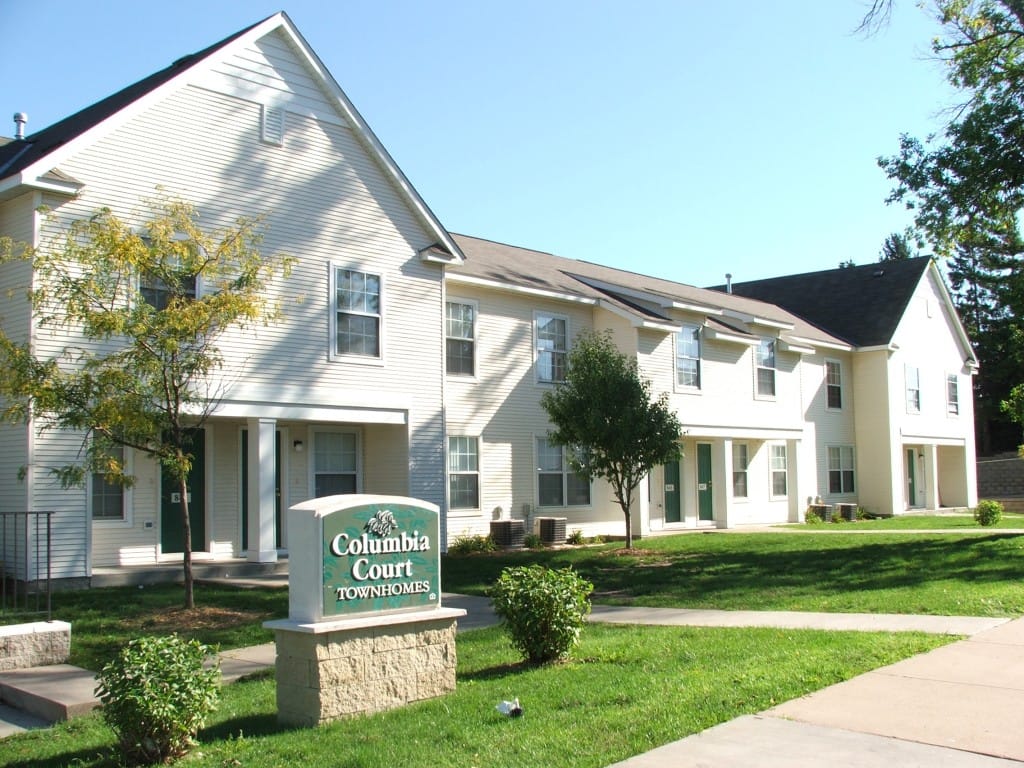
(54, 693)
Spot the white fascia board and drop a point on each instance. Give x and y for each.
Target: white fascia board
(371, 141)
(16, 184)
(635, 320)
(954, 316)
(498, 285)
(684, 306)
(732, 338)
(879, 348)
(743, 433)
(746, 317)
(788, 346)
(819, 344)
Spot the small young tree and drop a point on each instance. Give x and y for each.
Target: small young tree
(604, 411)
(136, 343)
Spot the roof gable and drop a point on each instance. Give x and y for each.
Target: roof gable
(862, 305)
(27, 162)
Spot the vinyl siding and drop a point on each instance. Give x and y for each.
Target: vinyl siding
(324, 201)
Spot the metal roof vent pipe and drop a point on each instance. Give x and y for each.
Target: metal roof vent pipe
(20, 118)
(728, 282)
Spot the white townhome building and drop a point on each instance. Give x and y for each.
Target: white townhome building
(411, 361)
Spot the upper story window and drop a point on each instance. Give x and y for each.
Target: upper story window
(779, 467)
(357, 298)
(335, 463)
(766, 368)
(688, 356)
(460, 338)
(557, 484)
(740, 462)
(552, 339)
(952, 394)
(463, 472)
(833, 384)
(170, 278)
(913, 379)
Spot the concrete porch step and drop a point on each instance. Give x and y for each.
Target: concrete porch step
(53, 693)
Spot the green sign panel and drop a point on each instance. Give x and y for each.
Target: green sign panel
(381, 557)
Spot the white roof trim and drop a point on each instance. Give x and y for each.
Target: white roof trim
(637, 321)
(822, 344)
(734, 338)
(789, 346)
(499, 285)
(756, 320)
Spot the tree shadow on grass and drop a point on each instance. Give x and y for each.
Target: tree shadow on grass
(85, 758)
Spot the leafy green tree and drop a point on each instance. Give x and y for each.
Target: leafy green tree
(1013, 406)
(135, 346)
(604, 412)
(896, 248)
(966, 185)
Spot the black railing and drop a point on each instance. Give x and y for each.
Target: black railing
(25, 550)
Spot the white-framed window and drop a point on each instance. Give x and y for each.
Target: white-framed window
(551, 334)
(109, 502)
(952, 394)
(778, 466)
(557, 484)
(460, 338)
(357, 313)
(913, 379)
(840, 469)
(833, 384)
(157, 290)
(688, 357)
(740, 463)
(335, 464)
(765, 355)
(463, 472)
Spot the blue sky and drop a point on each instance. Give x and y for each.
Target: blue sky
(681, 139)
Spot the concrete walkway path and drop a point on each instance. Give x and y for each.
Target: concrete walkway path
(959, 706)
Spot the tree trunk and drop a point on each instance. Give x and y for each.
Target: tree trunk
(187, 554)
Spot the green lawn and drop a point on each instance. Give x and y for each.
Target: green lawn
(964, 522)
(629, 690)
(970, 574)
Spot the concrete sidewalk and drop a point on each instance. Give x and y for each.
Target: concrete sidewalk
(958, 706)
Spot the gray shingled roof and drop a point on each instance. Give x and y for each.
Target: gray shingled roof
(861, 304)
(17, 155)
(525, 268)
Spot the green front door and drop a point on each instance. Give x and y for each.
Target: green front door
(245, 489)
(911, 478)
(673, 512)
(172, 530)
(705, 509)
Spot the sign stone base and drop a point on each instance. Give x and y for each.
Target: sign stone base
(330, 670)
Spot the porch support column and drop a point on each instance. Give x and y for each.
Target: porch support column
(793, 462)
(723, 486)
(931, 475)
(262, 441)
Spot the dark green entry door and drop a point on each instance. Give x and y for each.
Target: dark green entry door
(673, 510)
(245, 489)
(172, 530)
(911, 478)
(705, 508)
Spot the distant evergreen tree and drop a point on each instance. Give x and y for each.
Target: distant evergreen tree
(896, 248)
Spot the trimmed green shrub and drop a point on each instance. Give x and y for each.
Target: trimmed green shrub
(988, 512)
(533, 541)
(543, 610)
(156, 696)
(471, 545)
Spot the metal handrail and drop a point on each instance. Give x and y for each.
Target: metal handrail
(26, 585)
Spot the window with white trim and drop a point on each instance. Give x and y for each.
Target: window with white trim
(840, 469)
(913, 379)
(557, 484)
(108, 498)
(552, 346)
(952, 394)
(688, 356)
(463, 472)
(460, 338)
(833, 384)
(357, 313)
(169, 280)
(766, 368)
(778, 467)
(740, 462)
(335, 463)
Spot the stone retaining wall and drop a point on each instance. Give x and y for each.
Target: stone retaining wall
(1001, 477)
(37, 644)
(351, 671)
